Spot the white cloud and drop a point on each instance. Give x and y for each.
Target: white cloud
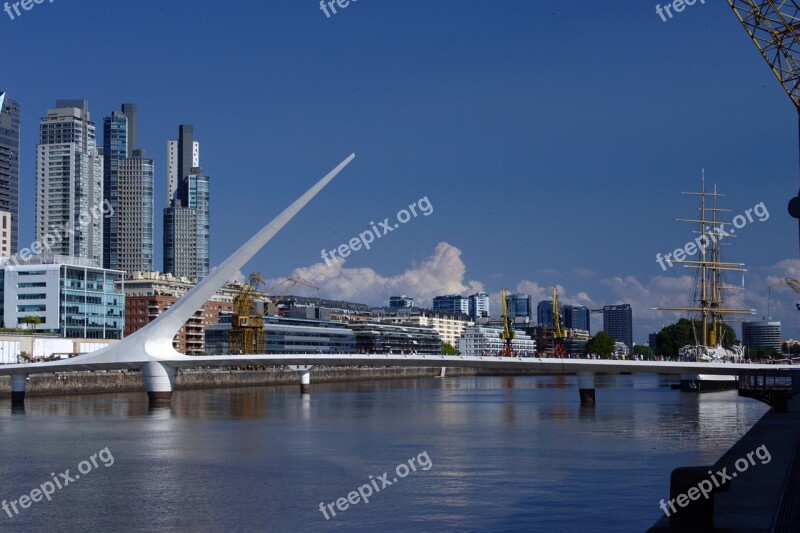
(442, 273)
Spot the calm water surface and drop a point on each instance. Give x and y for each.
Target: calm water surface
(506, 454)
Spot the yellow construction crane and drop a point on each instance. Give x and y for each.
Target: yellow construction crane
(247, 335)
(508, 332)
(559, 334)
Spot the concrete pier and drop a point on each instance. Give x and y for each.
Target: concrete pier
(762, 494)
(18, 384)
(586, 387)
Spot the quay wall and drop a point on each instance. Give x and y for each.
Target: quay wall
(114, 381)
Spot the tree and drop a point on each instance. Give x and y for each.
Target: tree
(601, 344)
(674, 337)
(31, 320)
(645, 351)
(449, 349)
(762, 352)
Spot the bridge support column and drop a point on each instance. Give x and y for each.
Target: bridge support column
(586, 387)
(18, 383)
(159, 380)
(305, 382)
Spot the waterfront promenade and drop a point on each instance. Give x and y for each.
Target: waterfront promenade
(764, 497)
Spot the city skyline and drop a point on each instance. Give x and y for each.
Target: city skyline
(522, 147)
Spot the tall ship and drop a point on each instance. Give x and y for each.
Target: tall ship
(707, 310)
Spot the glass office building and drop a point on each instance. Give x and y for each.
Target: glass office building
(68, 296)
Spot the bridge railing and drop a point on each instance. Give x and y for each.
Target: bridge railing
(773, 387)
(765, 380)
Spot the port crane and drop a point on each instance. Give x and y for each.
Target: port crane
(792, 283)
(508, 333)
(559, 334)
(247, 335)
(774, 27)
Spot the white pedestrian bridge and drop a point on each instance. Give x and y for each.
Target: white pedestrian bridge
(150, 348)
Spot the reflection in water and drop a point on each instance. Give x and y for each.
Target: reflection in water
(508, 453)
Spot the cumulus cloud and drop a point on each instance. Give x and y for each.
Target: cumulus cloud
(442, 273)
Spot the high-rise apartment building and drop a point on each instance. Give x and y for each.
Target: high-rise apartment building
(618, 322)
(478, 305)
(128, 187)
(186, 218)
(69, 183)
(9, 173)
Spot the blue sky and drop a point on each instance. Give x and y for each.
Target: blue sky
(552, 141)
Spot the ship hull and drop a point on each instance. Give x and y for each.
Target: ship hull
(700, 383)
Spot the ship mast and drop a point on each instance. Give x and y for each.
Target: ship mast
(710, 267)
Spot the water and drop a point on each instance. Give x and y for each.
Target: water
(506, 454)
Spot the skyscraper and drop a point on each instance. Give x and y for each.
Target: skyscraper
(128, 187)
(576, 317)
(618, 322)
(519, 305)
(9, 172)
(69, 183)
(478, 305)
(544, 314)
(186, 218)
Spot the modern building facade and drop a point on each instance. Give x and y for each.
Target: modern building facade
(761, 334)
(397, 302)
(519, 306)
(68, 296)
(478, 305)
(576, 317)
(128, 187)
(148, 294)
(481, 340)
(321, 308)
(451, 303)
(378, 338)
(9, 171)
(186, 217)
(288, 336)
(449, 326)
(618, 322)
(544, 314)
(69, 183)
